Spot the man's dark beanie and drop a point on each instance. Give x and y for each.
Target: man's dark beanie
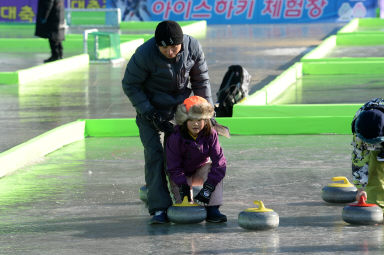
(370, 124)
(168, 33)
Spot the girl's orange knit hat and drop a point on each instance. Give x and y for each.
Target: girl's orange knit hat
(194, 107)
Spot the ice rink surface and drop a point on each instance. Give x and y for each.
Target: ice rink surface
(83, 198)
(333, 89)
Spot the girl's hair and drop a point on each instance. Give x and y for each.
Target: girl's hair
(206, 131)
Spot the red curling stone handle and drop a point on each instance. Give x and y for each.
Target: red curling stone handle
(362, 203)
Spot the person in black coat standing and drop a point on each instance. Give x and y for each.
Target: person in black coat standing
(50, 24)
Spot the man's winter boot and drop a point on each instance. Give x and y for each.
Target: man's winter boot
(160, 217)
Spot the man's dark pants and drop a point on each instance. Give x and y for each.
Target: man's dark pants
(158, 197)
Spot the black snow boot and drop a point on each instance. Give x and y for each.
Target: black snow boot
(56, 51)
(214, 215)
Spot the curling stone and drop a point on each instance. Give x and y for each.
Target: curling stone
(259, 218)
(361, 213)
(143, 191)
(186, 212)
(339, 192)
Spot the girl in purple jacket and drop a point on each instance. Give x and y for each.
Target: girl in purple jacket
(195, 157)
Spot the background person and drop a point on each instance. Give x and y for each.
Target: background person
(50, 24)
(368, 151)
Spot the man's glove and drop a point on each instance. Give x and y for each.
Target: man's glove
(205, 193)
(164, 126)
(185, 190)
(158, 121)
(152, 115)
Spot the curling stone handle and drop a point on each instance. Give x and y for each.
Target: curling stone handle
(362, 200)
(185, 201)
(259, 204)
(341, 178)
(260, 207)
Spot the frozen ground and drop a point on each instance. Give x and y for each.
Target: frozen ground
(83, 199)
(333, 89)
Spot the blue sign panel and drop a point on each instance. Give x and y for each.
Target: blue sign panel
(214, 11)
(245, 11)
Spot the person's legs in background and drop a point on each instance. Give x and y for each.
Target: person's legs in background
(60, 49)
(56, 50)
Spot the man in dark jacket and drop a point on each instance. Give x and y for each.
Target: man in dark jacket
(163, 72)
(50, 24)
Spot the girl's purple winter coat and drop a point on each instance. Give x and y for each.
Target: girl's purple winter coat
(185, 156)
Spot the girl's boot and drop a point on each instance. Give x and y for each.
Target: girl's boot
(214, 215)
